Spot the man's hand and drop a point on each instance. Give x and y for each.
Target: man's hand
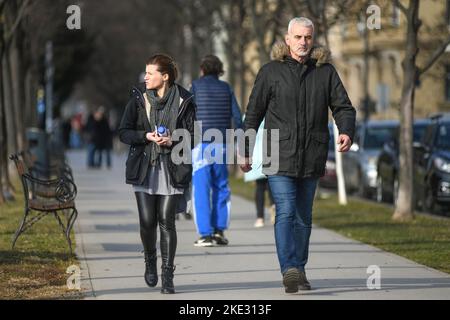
(246, 166)
(344, 143)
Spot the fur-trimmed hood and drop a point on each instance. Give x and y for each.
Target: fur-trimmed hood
(280, 51)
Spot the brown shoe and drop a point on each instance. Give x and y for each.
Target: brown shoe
(291, 280)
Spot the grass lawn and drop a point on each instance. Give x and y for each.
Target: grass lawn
(425, 240)
(36, 268)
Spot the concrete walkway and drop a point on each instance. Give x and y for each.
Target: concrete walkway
(109, 249)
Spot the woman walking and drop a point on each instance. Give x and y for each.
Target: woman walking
(151, 116)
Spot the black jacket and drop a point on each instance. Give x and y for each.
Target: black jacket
(294, 98)
(135, 125)
(102, 134)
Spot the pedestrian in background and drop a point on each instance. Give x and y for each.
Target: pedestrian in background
(88, 133)
(216, 108)
(102, 138)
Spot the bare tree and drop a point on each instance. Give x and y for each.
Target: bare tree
(12, 13)
(411, 73)
(233, 16)
(24, 24)
(266, 17)
(3, 161)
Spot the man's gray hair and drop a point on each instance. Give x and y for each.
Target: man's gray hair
(302, 21)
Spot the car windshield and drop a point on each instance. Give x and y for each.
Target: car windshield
(376, 137)
(443, 136)
(418, 132)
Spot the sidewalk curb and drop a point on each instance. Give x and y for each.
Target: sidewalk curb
(86, 283)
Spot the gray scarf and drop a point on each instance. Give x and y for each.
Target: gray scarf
(164, 112)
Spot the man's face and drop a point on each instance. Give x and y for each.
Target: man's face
(153, 78)
(300, 40)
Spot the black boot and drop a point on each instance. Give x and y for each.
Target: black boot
(167, 279)
(151, 274)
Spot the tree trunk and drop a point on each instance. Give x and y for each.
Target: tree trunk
(8, 107)
(366, 71)
(241, 51)
(260, 32)
(242, 81)
(230, 46)
(17, 90)
(32, 89)
(29, 110)
(2, 135)
(405, 205)
(8, 102)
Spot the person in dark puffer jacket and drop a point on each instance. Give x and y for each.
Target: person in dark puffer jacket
(293, 93)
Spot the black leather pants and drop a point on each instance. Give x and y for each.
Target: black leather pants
(154, 209)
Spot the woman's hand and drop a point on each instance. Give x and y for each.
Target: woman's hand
(160, 141)
(152, 136)
(165, 141)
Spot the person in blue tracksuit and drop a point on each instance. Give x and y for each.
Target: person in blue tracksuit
(216, 107)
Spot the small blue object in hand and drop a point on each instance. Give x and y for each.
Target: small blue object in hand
(162, 131)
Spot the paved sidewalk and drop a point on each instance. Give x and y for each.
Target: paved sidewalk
(109, 249)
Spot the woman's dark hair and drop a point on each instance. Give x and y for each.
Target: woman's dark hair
(166, 65)
(212, 65)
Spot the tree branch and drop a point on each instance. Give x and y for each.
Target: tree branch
(433, 58)
(10, 33)
(313, 9)
(2, 5)
(402, 8)
(293, 8)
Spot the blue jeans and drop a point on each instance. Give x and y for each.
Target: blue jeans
(91, 155)
(293, 199)
(99, 156)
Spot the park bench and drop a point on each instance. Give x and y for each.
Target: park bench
(57, 167)
(54, 196)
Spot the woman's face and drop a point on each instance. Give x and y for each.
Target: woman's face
(153, 78)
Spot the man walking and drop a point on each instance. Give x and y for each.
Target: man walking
(293, 93)
(216, 106)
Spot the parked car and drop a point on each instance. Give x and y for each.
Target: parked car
(432, 167)
(360, 163)
(388, 163)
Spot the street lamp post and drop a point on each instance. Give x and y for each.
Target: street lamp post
(49, 71)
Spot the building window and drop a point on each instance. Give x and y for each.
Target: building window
(395, 18)
(447, 83)
(383, 97)
(344, 30)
